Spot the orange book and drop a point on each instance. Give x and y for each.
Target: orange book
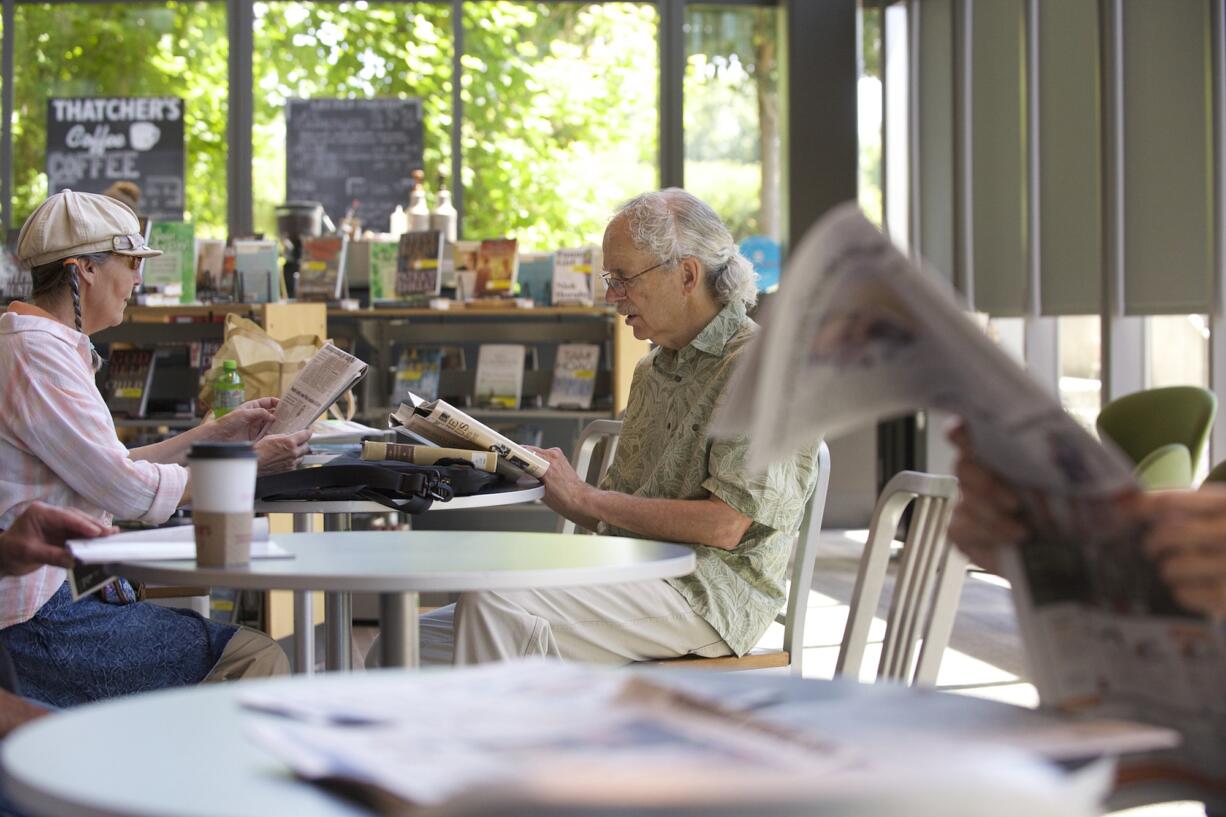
(497, 265)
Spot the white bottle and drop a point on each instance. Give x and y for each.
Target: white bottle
(399, 223)
(419, 210)
(443, 217)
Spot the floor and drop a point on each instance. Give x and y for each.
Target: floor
(984, 659)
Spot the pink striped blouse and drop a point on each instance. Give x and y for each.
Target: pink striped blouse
(58, 445)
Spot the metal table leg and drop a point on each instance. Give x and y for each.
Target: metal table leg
(398, 636)
(304, 614)
(338, 610)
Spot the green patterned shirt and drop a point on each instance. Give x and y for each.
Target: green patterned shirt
(665, 452)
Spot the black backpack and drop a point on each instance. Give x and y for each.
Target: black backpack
(399, 486)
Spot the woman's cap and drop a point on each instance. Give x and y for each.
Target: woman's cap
(70, 223)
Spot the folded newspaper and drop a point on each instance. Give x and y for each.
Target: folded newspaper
(322, 381)
(858, 333)
(436, 422)
(539, 738)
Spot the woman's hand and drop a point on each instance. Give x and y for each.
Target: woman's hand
(246, 423)
(1187, 539)
(282, 452)
(985, 518)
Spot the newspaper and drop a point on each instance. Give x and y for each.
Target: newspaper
(531, 737)
(326, 376)
(858, 334)
(438, 423)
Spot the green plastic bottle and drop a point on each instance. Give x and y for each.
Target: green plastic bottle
(228, 390)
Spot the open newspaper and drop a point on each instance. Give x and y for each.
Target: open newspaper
(436, 422)
(322, 381)
(857, 334)
(541, 738)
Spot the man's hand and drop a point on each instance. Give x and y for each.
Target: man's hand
(985, 518)
(282, 452)
(37, 538)
(1188, 541)
(565, 492)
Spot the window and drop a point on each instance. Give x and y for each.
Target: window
(356, 50)
(1178, 350)
(733, 153)
(103, 49)
(870, 94)
(560, 118)
(1079, 341)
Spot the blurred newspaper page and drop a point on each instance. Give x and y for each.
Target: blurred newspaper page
(540, 737)
(326, 376)
(856, 334)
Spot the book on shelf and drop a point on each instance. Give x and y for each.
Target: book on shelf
(320, 383)
(258, 270)
(417, 372)
(500, 375)
(384, 258)
(436, 422)
(129, 375)
(572, 277)
(174, 271)
(574, 376)
(497, 265)
(417, 271)
(321, 271)
(536, 277)
(210, 265)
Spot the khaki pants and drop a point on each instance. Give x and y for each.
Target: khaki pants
(611, 624)
(248, 654)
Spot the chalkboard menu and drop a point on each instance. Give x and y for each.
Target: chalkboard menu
(342, 150)
(94, 142)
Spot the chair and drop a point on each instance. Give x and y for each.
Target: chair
(1216, 474)
(803, 557)
(926, 591)
(1163, 431)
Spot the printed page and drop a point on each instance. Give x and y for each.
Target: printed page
(443, 415)
(857, 334)
(320, 383)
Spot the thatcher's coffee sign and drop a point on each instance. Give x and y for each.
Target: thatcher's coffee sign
(94, 142)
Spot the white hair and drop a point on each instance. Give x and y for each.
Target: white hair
(672, 224)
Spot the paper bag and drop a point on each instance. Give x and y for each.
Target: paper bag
(267, 366)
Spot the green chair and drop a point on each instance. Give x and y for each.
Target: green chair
(1216, 474)
(1163, 431)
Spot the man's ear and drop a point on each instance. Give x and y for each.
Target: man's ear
(691, 274)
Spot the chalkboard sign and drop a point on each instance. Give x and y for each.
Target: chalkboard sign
(339, 150)
(94, 142)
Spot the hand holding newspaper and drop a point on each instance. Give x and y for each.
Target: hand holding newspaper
(326, 376)
(857, 334)
(438, 423)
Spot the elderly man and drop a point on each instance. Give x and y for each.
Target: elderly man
(677, 276)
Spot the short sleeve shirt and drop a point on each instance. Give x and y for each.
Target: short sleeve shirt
(666, 452)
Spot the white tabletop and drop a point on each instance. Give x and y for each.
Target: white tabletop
(507, 495)
(183, 753)
(448, 561)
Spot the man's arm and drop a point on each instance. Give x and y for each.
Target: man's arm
(37, 538)
(708, 521)
(15, 710)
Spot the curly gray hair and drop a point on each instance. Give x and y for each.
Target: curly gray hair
(672, 224)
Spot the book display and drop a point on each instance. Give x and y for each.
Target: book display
(258, 270)
(572, 277)
(419, 263)
(574, 376)
(174, 272)
(382, 264)
(500, 375)
(536, 277)
(418, 373)
(321, 272)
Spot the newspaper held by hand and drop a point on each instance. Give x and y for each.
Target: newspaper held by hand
(326, 376)
(857, 334)
(439, 423)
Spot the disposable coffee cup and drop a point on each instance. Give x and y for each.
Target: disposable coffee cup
(223, 496)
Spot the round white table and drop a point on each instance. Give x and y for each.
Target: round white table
(185, 752)
(338, 606)
(400, 564)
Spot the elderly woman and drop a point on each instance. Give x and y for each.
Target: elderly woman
(677, 277)
(58, 445)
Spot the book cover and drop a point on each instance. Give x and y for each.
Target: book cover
(572, 277)
(173, 272)
(321, 272)
(417, 271)
(210, 264)
(417, 373)
(257, 269)
(497, 264)
(500, 375)
(536, 277)
(384, 258)
(574, 376)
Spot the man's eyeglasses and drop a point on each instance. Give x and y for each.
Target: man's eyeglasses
(620, 285)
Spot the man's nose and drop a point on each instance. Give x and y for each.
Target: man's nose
(612, 296)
